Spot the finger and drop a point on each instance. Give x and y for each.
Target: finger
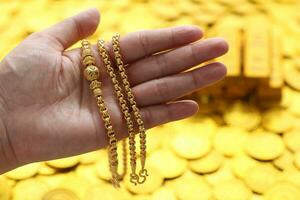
(73, 29)
(175, 61)
(140, 44)
(172, 87)
(164, 113)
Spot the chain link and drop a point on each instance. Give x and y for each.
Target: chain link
(124, 108)
(95, 86)
(117, 51)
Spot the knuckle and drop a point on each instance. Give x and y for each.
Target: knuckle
(147, 117)
(144, 41)
(194, 79)
(161, 64)
(193, 53)
(162, 89)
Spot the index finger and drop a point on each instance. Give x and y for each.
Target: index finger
(137, 45)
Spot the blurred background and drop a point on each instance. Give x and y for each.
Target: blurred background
(245, 142)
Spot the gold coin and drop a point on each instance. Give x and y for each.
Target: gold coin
(164, 11)
(192, 187)
(287, 96)
(292, 140)
(291, 74)
(163, 193)
(75, 184)
(88, 173)
(277, 120)
(205, 126)
(29, 189)
(104, 191)
(64, 162)
(232, 190)
(264, 146)
(241, 164)
(285, 161)
(60, 194)
(141, 197)
(296, 123)
(8, 181)
(154, 141)
(102, 167)
(46, 170)
(5, 189)
(243, 115)
(261, 177)
(294, 106)
(168, 164)
(53, 180)
(292, 176)
(257, 197)
(223, 174)
(190, 144)
(207, 164)
(153, 182)
(89, 158)
(24, 172)
(297, 159)
(282, 191)
(229, 140)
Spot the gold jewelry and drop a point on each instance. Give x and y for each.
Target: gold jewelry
(91, 73)
(117, 51)
(124, 108)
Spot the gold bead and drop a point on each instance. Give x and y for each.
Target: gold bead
(85, 42)
(89, 60)
(86, 52)
(91, 73)
(97, 92)
(95, 84)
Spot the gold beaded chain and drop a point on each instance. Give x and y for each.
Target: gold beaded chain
(117, 51)
(124, 108)
(91, 73)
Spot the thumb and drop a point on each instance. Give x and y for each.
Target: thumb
(73, 29)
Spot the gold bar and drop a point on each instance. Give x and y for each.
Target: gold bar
(257, 48)
(232, 60)
(276, 77)
(236, 87)
(271, 90)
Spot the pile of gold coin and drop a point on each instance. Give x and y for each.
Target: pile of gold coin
(241, 147)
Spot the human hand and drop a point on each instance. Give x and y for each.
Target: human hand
(47, 110)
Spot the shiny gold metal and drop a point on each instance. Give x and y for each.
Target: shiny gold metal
(142, 131)
(124, 109)
(91, 73)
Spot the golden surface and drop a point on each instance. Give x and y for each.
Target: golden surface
(208, 156)
(264, 146)
(232, 190)
(92, 76)
(143, 173)
(64, 162)
(24, 172)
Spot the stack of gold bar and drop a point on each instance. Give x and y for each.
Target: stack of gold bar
(253, 61)
(241, 146)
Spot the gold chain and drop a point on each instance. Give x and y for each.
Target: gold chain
(117, 51)
(91, 73)
(124, 108)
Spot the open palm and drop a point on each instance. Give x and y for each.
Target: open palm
(47, 110)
